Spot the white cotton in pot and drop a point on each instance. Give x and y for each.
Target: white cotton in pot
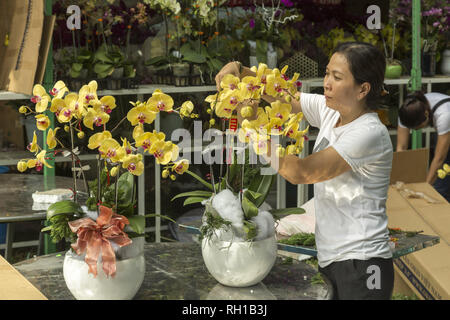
(229, 208)
(265, 224)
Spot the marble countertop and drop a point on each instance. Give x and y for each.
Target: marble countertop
(176, 271)
(16, 202)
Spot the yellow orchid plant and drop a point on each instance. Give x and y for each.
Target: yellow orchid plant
(73, 110)
(259, 127)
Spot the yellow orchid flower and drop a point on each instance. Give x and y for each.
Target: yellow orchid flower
(249, 88)
(228, 103)
(40, 97)
(141, 114)
(262, 120)
(275, 126)
(51, 138)
(246, 132)
(33, 146)
(42, 122)
(441, 174)
(96, 139)
(57, 106)
(274, 84)
(211, 99)
(133, 163)
(31, 163)
(59, 89)
(22, 166)
(88, 92)
(186, 109)
(224, 110)
(260, 144)
(181, 166)
(148, 139)
(160, 102)
(164, 151)
(111, 149)
(138, 130)
(291, 149)
(106, 104)
(74, 103)
(96, 117)
(446, 168)
(279, 110)
(293, 84)
(126, 146)
(40, 161)
(230, 82)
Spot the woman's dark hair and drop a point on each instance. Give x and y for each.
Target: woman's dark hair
(367, 64)
(412, 111)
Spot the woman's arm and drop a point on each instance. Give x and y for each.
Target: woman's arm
(440, 154)
(402, 138)
(317, 167)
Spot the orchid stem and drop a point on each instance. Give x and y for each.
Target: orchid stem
(99, 166)
(73, 166)
(116, 189)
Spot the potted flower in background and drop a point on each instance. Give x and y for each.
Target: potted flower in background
(393, 66)
(106, 259)
(239, 246)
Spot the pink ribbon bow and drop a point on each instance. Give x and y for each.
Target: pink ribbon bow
(94, 236)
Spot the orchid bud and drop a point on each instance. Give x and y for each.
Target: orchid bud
(114, 171)
(80, 135)
(23, 109)
(66, 128)
(22, 166)
(165, 173)
(247, 112)
(173, 177)
(212, 122)
(446, 168)
(441, 174)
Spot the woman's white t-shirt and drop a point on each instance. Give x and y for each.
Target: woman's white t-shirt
(351, 220)
(441, 117)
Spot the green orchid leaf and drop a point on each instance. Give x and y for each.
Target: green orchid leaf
(262, 185)
(74, 74)
(198, 193)
(137, 224)
(103, 68)
(280, 213)
(192, 200)
(77, 66)
(250, 209)
(203, 182)
(151, 215)
(65, 207)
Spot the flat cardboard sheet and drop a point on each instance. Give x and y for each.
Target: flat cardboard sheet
(14, 286)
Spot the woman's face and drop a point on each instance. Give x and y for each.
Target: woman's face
(340, 89)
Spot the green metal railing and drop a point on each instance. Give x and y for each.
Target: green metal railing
(416, 73)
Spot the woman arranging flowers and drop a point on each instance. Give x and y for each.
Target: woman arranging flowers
(350, 169)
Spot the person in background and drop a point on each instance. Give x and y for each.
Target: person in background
(350, 168)
(419, 111)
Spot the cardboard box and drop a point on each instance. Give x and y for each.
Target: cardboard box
(11, 127)
(14, 286)
(426, 272)
(22, 22)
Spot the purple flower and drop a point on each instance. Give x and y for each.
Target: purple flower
(287, 3)
(251, 23)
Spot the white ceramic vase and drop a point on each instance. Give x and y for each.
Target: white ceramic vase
(130, 271)
(239, 264)
(445, 63)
